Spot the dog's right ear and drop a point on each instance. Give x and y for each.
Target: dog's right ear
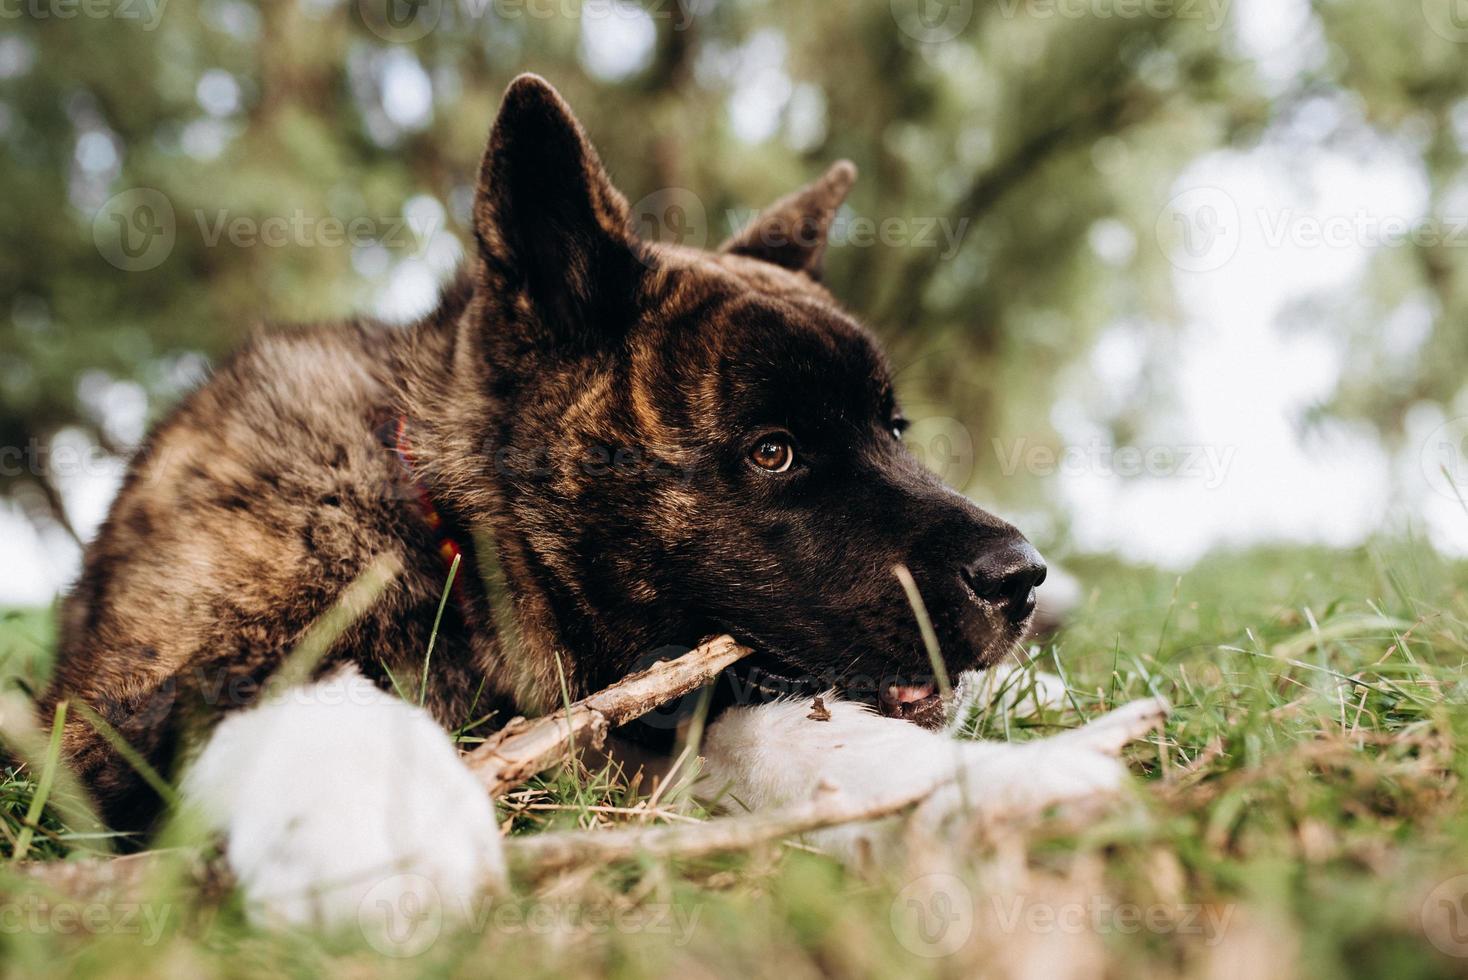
(550, 226)
(793, 231)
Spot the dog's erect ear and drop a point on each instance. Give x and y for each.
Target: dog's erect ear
(792, 232)
(549, 223)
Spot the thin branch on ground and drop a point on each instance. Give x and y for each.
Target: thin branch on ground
(524, 748)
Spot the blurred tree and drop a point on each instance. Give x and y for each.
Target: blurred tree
(1402, 75)
(173, 180)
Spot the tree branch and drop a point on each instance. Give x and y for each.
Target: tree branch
(523, 748)
(546, 853)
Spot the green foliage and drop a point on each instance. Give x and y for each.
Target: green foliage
(1010, 144)
(1017, 136)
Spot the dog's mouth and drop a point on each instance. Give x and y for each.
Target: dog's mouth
(766, 675)
(920, 704)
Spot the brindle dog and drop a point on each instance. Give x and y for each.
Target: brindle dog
(648, 444)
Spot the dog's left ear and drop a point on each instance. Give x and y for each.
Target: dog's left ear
(549, 223)
(792, 232)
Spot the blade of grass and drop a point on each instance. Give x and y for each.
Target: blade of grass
(353, 602)
(443, 600)
(43, 787)
(1060, 672)
(925, 627)
(68, 798)
(129, 754)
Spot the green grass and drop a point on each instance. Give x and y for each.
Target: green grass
(1294, 818)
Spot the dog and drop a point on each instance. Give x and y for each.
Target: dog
(616, 446)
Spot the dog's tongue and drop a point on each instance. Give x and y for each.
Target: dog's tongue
(917, 703)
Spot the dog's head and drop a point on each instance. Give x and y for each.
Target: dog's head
(685, 442)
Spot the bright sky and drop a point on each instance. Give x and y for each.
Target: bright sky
(1242, 381)
(1270, 227)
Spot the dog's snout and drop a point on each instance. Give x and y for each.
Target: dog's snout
(1006, 573)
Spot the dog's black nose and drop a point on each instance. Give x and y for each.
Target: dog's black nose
(1006, 574)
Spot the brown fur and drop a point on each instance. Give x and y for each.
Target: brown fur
(577, 409)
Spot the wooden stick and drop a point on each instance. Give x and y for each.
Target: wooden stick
(535, 855)
(553, 851)
(532, 855)
(523, 748)
(121, 879)
(541, 854)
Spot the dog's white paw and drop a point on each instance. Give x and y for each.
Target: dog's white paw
(1114, 730)
(345, 805)
(998, 781)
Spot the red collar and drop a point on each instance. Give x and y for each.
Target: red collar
(394, 434)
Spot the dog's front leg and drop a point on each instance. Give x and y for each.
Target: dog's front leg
(777, 754)
(343, 804)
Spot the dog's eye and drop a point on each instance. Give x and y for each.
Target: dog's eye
(899, 426)
(773, 453)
